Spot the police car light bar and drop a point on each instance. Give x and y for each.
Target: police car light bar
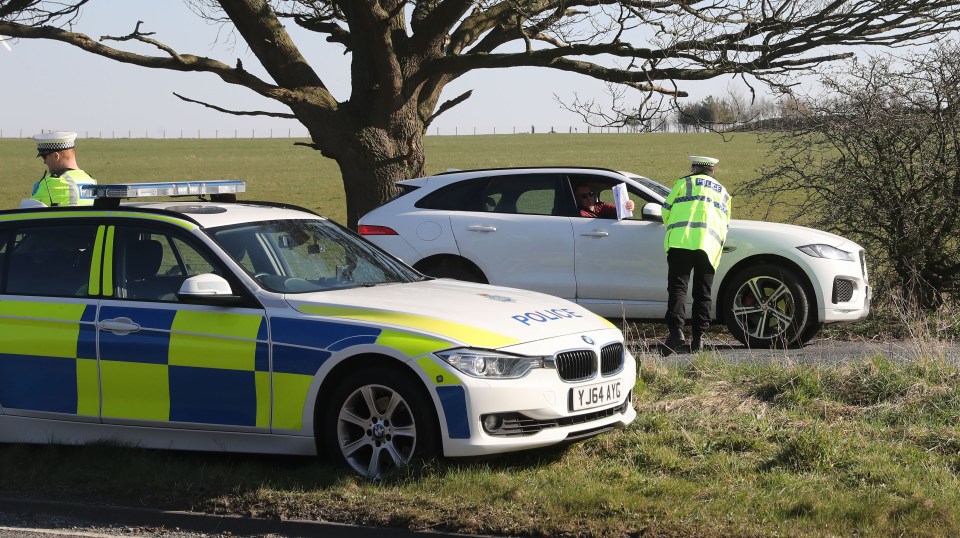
(165, 188)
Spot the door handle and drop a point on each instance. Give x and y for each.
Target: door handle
(119, 326)
(481, 228)
(595, 233)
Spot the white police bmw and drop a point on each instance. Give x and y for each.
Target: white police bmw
(256, 327)
(777, 284)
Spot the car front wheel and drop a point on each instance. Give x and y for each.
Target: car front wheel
(766, 306)
(376, 422)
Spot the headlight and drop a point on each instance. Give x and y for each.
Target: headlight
(490, 364)
(826, 251)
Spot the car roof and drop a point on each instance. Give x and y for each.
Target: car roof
(457, 175)
(205, 214)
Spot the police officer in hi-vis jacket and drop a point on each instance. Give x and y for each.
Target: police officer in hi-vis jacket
(696, 216)
(60, 185)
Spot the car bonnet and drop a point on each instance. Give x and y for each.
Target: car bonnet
(788, 234)
(470, 314)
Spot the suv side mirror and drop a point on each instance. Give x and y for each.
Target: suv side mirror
(652, 211)
(207, 289)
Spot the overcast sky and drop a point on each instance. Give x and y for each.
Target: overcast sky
(48, 85)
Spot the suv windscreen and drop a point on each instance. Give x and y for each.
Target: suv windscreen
(300, 256)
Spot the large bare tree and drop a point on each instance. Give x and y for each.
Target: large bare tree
(404, 52)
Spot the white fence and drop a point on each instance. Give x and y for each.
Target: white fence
(301, 132)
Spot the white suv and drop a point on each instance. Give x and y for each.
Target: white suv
(777, 284)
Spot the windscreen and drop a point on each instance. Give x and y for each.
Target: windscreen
(301, 256)
(661, 190)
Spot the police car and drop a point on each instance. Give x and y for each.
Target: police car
(259, 327)
(777, 284)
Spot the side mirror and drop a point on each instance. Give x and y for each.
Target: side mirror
(652, 211)
(207, 289)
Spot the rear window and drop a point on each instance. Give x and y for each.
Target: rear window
(49, 260)
(460, 196)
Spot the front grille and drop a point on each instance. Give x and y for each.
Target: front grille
(577, 365)
(517, 425)
(611, 359)
(842, 290)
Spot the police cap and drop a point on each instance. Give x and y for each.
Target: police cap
(54, 141)
(697, 160)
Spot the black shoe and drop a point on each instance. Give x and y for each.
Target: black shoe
(674, 340)
(696, 343)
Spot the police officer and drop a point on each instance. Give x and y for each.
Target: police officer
(696, 216)
(60, 185)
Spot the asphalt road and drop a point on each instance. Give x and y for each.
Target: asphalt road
(30, 518)
(40, 519)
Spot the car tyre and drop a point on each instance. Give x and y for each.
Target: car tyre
(377, 421)
(766, 306)
(812, 330)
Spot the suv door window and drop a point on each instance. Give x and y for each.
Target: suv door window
(50, 260)
(525, 194)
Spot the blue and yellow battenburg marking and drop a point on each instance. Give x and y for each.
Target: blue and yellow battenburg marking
(204, 367)
(48, 358)
(448, 387)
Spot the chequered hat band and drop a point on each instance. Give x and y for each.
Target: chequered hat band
(54, 146)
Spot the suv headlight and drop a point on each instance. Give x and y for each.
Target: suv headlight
(487, 364)
(826, 251)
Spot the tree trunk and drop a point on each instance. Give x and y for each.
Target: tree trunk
(373, 158)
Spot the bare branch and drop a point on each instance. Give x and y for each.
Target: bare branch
(238, 112)
(137, 35)
(176, 62)
(447, 105)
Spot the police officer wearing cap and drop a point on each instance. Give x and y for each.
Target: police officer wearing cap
(696, 216)
(60, 185)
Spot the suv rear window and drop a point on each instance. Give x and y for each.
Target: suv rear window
(460, 196)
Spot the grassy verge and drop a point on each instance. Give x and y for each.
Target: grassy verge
(868, 448)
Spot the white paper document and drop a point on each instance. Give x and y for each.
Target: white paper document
(620, 199)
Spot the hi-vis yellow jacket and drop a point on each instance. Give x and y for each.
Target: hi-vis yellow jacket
(696, 216)
(63, 188)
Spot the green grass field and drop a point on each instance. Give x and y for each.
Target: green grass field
(277, 170)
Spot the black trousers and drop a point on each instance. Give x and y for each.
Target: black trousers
(680, 262)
